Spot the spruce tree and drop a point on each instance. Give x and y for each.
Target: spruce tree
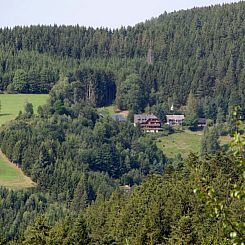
(210, 141)
(191, 118)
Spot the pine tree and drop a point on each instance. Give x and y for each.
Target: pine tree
(28, 109)
(191, 105)
(210, 141)
(220, 116)
(79, 234)
(191, 118)
(38, 233)
(20, 81)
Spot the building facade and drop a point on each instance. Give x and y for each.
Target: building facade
(175, 119)
(148, 122)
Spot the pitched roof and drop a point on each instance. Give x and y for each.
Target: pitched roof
(175, 117)
(202, 120)
(139, 118)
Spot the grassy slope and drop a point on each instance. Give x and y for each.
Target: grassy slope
(111, 110)
(11, 104)
(184, 143)
(11, 176)
(181, 142)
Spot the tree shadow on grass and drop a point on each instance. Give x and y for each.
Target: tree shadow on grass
(5, 114)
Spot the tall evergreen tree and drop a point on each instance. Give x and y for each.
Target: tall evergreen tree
(191, 118)
(210, 141)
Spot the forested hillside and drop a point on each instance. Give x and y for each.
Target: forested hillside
(199, 50)
(100, 181)
(73, 155)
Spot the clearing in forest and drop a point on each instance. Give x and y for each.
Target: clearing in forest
(111, 110)
(11, 176)
(184, 142)
(11, 104)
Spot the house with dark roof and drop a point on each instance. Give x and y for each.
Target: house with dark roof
(202, 122)
(175, 119)
(148, 122)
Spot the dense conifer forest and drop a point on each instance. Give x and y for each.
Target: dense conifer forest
(199, 50)
(100, 181)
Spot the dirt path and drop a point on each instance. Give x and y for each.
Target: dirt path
(20, 180)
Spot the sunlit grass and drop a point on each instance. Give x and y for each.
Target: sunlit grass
(11, 104)
(11, 176)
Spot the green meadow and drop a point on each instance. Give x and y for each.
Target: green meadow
(11, 104)
(107, 110)
(184, 142)
(10, 175)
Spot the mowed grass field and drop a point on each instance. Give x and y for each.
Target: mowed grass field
(180, 142)
(184, 142)
(11, 104)
(10, 175)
